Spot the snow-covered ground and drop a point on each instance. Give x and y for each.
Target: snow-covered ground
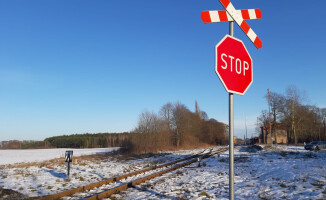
(281, 172)
(38, 155)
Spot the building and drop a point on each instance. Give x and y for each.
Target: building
(278, 136)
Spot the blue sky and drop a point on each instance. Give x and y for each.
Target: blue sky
(93, 66)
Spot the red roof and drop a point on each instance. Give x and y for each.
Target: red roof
(278, 126)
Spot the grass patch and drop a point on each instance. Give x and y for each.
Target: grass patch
(204, 194)
(249, 186)
(27, 175)
(187, 191)
(318, 184)
(179, 172)
(220, 174)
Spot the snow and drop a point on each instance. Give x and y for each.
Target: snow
(280, 172)
(37, 155)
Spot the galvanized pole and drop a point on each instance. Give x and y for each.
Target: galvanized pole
(246, 130)
(269, 117)
(231, 153)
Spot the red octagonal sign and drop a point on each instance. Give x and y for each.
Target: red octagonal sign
(233, 65)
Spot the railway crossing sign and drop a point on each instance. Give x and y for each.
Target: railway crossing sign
(223, 16)
(239, 16)
(68, 156)
(233, 65)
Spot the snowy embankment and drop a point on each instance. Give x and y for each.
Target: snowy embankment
(280, 172)
(38, 155)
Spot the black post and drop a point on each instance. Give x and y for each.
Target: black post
(68, 159)
(68, 169)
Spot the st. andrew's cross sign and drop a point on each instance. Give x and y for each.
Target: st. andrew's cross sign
(239, 16)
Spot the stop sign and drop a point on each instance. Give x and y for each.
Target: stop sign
(233, 65)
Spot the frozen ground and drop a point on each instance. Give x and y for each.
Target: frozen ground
(281, 172)
(37, 155)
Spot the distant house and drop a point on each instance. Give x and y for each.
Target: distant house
(278, 136)
(237, 140)
(254, 140)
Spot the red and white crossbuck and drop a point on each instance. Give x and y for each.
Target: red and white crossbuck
(239, 16)
(222, 16)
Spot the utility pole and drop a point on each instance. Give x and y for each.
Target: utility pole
(269, 117)
(246, 135)
(292, 123)
(258, 129)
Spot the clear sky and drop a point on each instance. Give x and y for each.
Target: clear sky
(82, 66)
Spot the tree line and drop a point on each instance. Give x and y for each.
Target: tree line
(25, 144)
(99, 140)
(173, 127)
(304, 122)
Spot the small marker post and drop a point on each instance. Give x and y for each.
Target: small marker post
(68, 160)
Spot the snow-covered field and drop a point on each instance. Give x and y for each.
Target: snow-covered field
(38, 155)
(281, 172)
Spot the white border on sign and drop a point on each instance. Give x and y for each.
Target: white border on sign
(252, 64)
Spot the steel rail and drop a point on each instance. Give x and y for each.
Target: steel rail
(109, 192)
(112, 180)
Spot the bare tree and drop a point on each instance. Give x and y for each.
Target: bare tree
(294, 100)
(148, 122)
(303, 122)
(166, 114)
(276, 103)
(204, 116)
(179, 122)
(262, 120)
(323, 120)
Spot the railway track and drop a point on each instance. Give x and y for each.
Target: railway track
(106, 188)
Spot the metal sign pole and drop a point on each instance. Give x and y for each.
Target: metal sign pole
(68, 169)
(231, 153)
